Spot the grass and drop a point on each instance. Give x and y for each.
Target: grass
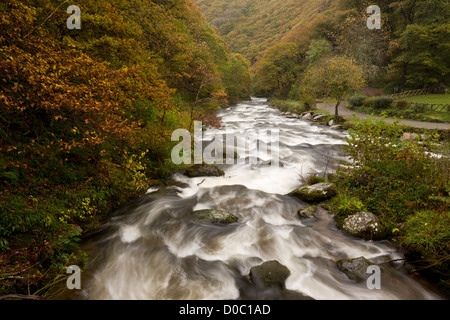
(429, 98)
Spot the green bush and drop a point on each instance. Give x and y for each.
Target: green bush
(378, 102)
(345, 205)
(357, 100)
(383, 102)
(314, 179)
(402, 105)
(429, 231)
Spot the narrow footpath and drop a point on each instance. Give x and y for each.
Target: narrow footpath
(345, 112)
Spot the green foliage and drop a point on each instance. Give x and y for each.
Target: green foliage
(402, 182)
(335, 78)
(429, 232)
(344, 205)
(314, 179)
(278, 70)
(318, 49)
(402, 104)
(290, 106)
(357, 100)
(422, 58)
(378, 103)
(382, 102)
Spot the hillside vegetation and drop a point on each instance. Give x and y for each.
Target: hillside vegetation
(252, 26)
(282, 39)
(86, 115)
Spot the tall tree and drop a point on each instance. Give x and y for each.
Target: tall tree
(278, 70)
(336, 78)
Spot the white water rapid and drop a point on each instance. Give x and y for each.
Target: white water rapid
(150, 249)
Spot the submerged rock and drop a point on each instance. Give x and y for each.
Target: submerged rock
(214, 217)
(355, 269)
(315, 193)
(198, 170)
(363, 225)
(307, 212)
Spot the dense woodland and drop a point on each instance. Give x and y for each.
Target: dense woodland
(86, 115)
(282, 39)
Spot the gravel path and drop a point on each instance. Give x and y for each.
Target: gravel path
(345, 112)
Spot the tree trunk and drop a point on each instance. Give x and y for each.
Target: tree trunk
(336, 113)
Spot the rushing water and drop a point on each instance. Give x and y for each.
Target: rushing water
(151, 250)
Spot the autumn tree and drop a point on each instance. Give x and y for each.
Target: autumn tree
(335, 78)
(278, 70)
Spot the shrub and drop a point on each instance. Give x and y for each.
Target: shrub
(378, 102)
(309, 103)
(344, 205)
(402, 105)
(314, 179)
(357, 100)
(383, 102)
(428, 231)
(369, 102)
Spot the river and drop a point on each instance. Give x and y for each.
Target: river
(151, 250)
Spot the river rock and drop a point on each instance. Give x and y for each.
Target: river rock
(315, 193)
(337, 127)
(319, 117)
(308, 116)
(355, 269)
(214, 217)
(307, 212)
(268, 282)
(271, 273)
(362, 225)
(196, 171)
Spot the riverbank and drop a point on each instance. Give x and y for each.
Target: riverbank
(398, 179)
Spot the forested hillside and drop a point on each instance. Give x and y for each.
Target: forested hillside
(281, 39)
(86, 115)
(252, 26)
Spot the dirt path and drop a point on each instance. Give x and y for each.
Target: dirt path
(345, 112)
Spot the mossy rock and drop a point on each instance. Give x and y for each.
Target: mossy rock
(213, 216)
(315, 193)
(201, 170)
(364, 225)
(307, 212)
(355, 269)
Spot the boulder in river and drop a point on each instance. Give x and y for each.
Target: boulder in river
(268, 282)
(214, 217)
(355, 269)
(198, 170)
(315, 193)
(363, 225)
